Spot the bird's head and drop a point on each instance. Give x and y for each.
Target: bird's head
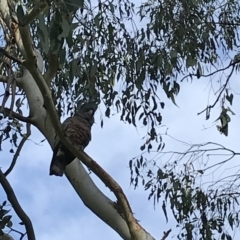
(87, 111)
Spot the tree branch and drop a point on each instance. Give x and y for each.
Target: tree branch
(21, 118)
(3, 79)
(165, 234)
(31, 65)
(24, 138)
(219, 95)
(38, 9)
(17, 207)
(212, 73)
(6, 53)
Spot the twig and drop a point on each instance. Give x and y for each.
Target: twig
(21, 238)
(17, 207)
(16, 231)
(16, 115)
(6, 93)
(212, 73)
(219, 95)
(165, 234)
(19, 61)
(13, 96)
(38, 9)
(10, 83)
(25, 137)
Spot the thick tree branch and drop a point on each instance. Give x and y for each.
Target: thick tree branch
(31, 65)
(17, 207)
(24, 138)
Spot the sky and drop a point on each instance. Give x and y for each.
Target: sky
(55, 209)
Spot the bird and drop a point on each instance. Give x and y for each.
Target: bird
(77, 129)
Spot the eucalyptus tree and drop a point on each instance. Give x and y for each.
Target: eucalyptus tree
(56, 54)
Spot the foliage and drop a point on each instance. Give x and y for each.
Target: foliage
(203, 211)
(10, 130)
(5, 219)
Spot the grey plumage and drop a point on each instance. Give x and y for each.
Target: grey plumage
(77, 129)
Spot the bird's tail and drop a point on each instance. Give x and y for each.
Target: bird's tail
(58, 165)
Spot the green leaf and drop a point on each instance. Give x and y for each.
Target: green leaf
(65, 29)
(62, 58)
(164, 210)
(3, 212)
(14, 139)
(6, 219)
(160, 173)
(173, 99)
(107, 112)
(173, 53)
(74, 5)
(43, 35)
(142, 147)
(176, 87)
(130, 164)
(18, 103)
(9, 224)
(190, 62)
(199, 70)
(230, 98)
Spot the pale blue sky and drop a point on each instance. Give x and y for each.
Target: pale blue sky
(55, 209)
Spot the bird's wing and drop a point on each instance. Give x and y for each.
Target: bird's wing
(76, 130)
